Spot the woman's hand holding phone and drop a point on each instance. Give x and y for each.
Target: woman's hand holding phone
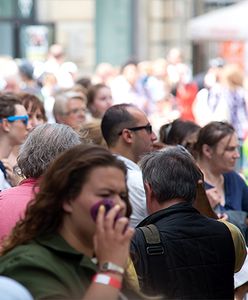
(113, 236)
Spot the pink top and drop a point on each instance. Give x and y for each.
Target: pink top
(13, 203)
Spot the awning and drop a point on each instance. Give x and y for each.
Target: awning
(225, 24)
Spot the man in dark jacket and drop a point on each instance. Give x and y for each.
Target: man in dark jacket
(190, 256)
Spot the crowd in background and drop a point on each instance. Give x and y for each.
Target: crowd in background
(207, 114)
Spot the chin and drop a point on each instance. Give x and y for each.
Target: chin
(230, 169)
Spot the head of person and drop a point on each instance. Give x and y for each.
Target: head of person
(85, 82)
(232, 76)
(13, 119)
(99, 99)
(26, 70)
(175, 56)
(56, 52)
(35, 109)
(179, 132)
(130, 71)
(170, 174)
(127, 130)
(92, 132)
(218, 145)
(70, 109)
(78, 179)
(104, 73)
(42, 146)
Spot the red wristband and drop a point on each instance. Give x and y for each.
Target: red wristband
(107, 280)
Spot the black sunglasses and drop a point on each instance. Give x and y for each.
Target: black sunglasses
(147, 127)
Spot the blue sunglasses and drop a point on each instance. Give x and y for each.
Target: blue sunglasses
(15, 118)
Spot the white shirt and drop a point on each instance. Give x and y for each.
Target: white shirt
(136, 191)
(4, 184)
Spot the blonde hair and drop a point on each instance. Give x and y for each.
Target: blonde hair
(92, 131)
(232, 75)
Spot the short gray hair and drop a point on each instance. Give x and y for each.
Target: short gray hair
(172, 173)
(42, 146)
(61, 100)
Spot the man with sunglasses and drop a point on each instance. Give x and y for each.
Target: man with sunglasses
(129, 135)
(14, 128)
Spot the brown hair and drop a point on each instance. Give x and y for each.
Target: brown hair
(62, 182)
(8, 101)
(33, 101)
(211, 134)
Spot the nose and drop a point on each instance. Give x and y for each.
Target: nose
(110, 101)
(236, 153)
(29, 125)
(153, 137)
(118, 200)
(82, 111)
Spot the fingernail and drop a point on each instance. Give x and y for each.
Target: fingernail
(102, 208)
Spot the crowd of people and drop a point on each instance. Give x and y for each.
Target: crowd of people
(128, 184)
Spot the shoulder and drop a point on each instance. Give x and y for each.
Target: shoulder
(239, 244)
(234, 178)
(37, 269)
(29, 255)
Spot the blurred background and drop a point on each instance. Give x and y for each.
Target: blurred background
(94, 31)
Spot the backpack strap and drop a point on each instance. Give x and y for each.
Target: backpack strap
(152, 238)
(153, 260)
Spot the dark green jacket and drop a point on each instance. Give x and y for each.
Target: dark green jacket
(49, 268)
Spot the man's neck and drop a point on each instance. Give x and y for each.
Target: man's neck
(5, 148)
(123, 152)
(166, 204)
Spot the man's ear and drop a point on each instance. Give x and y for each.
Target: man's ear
(60, 118)
(207, 151)
(127, 136)
(149, 197)
(5, 125)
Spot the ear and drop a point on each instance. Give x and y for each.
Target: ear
(67, 206)
(149, 197)
(207, 151)
(127, 136)
(6, 125)
(60, 119)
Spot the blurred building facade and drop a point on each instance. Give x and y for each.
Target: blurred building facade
(93, 31)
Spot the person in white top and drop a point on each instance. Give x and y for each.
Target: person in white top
(129, 135)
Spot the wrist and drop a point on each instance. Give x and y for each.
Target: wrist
(104, 279)
(111, 267)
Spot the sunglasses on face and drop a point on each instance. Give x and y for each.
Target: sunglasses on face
(147, 127)
(11, 119)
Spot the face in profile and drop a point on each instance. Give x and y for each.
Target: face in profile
(143, 139)
(225, 153)
(102, 101)
(102, 182)
(19, 129)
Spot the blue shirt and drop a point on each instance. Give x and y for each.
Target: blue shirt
(236, 192)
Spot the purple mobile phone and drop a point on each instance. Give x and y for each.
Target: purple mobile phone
(108, 203)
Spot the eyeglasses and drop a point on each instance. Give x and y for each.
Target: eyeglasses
(11, 119)
(75, 111)
(147, 127)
